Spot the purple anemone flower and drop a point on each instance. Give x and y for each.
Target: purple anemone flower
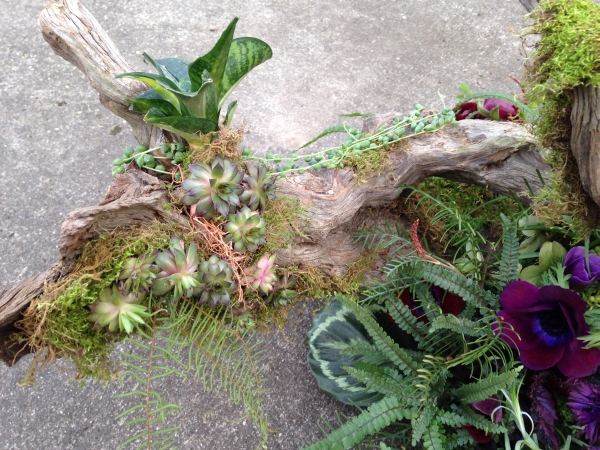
(584, 401)
(576, 266)
(544, 324)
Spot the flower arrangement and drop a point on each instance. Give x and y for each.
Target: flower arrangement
(502, 354)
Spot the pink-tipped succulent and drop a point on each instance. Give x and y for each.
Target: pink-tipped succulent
(214, 188)
(118, 310)
(139, 273)
(216, 282)
(246, 229)
(262, 276)
(258, 186)
(179, 270)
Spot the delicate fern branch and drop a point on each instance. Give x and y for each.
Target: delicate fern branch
(488, 386)
(509, 263)
(378, 416)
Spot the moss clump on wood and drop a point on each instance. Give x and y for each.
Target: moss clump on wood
(567, 56)
(58, 320)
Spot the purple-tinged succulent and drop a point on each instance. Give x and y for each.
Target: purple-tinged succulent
(214, 188)
(118, 310)
(577, 266)
(216, 282)
(258, 187)
(139, 273)
(246, 229)
(584, 401)
(178, 270)
(545, 324)
(262, 276)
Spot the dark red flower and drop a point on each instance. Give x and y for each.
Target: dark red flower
(465, 109)
(577, 266)
(449, 303)
(544, 324)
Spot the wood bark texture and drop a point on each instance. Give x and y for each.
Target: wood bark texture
(494, 154)
(585, 137)
(75, 35)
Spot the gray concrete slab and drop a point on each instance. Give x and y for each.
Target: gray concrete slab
(330, 57)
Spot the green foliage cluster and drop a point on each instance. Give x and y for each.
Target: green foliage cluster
(567, 56)
(186, 97)
(58, 320)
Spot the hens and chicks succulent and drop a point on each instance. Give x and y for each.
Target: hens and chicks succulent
(218, 188)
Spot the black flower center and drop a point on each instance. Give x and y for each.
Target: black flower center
(554, 323)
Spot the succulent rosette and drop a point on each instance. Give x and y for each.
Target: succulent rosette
(246, 229)
(262, 276)
(118, 310)
(544, 324)
(258, 186)
(216, 282)
(139, 273)
(583, 273)
(213, 188)
(178, 270)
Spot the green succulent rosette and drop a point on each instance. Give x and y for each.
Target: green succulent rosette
(179, 270)
(216, 282)
(246, 229)
(118, 310)
(213, 188)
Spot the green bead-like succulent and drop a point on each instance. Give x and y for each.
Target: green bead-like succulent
(139, 273)
(246, 229)
(258, 187)
(178, 270)
(216, 282)
(118, 310)
(214, 188)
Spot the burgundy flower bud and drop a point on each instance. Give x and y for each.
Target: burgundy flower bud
(507, 110)
(465, 109)
(577, 266)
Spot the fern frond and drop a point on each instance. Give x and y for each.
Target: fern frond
(420, 421)
(387, 381)
(477, 420)
(378, 416)
(381, 340)
(451, 419)
(406, 320)
(433, 439)
(488, 386)
(509, 262)
(459, 325)
(461, 440)
(383, 238)
(462, 286)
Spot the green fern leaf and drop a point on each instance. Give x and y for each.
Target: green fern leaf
(458, 325)
(461, 439)
(433, 439)
(378, 416)
(451, 419)
(381, 340)
(406, 320)
(488, 386)
(420, 421)
(387, 381)
(509, 262)
(477, 420)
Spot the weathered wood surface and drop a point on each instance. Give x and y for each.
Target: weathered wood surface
(75, 35)
(497, 155)
(585, 137)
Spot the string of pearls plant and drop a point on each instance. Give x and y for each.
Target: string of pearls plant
(357, 142)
